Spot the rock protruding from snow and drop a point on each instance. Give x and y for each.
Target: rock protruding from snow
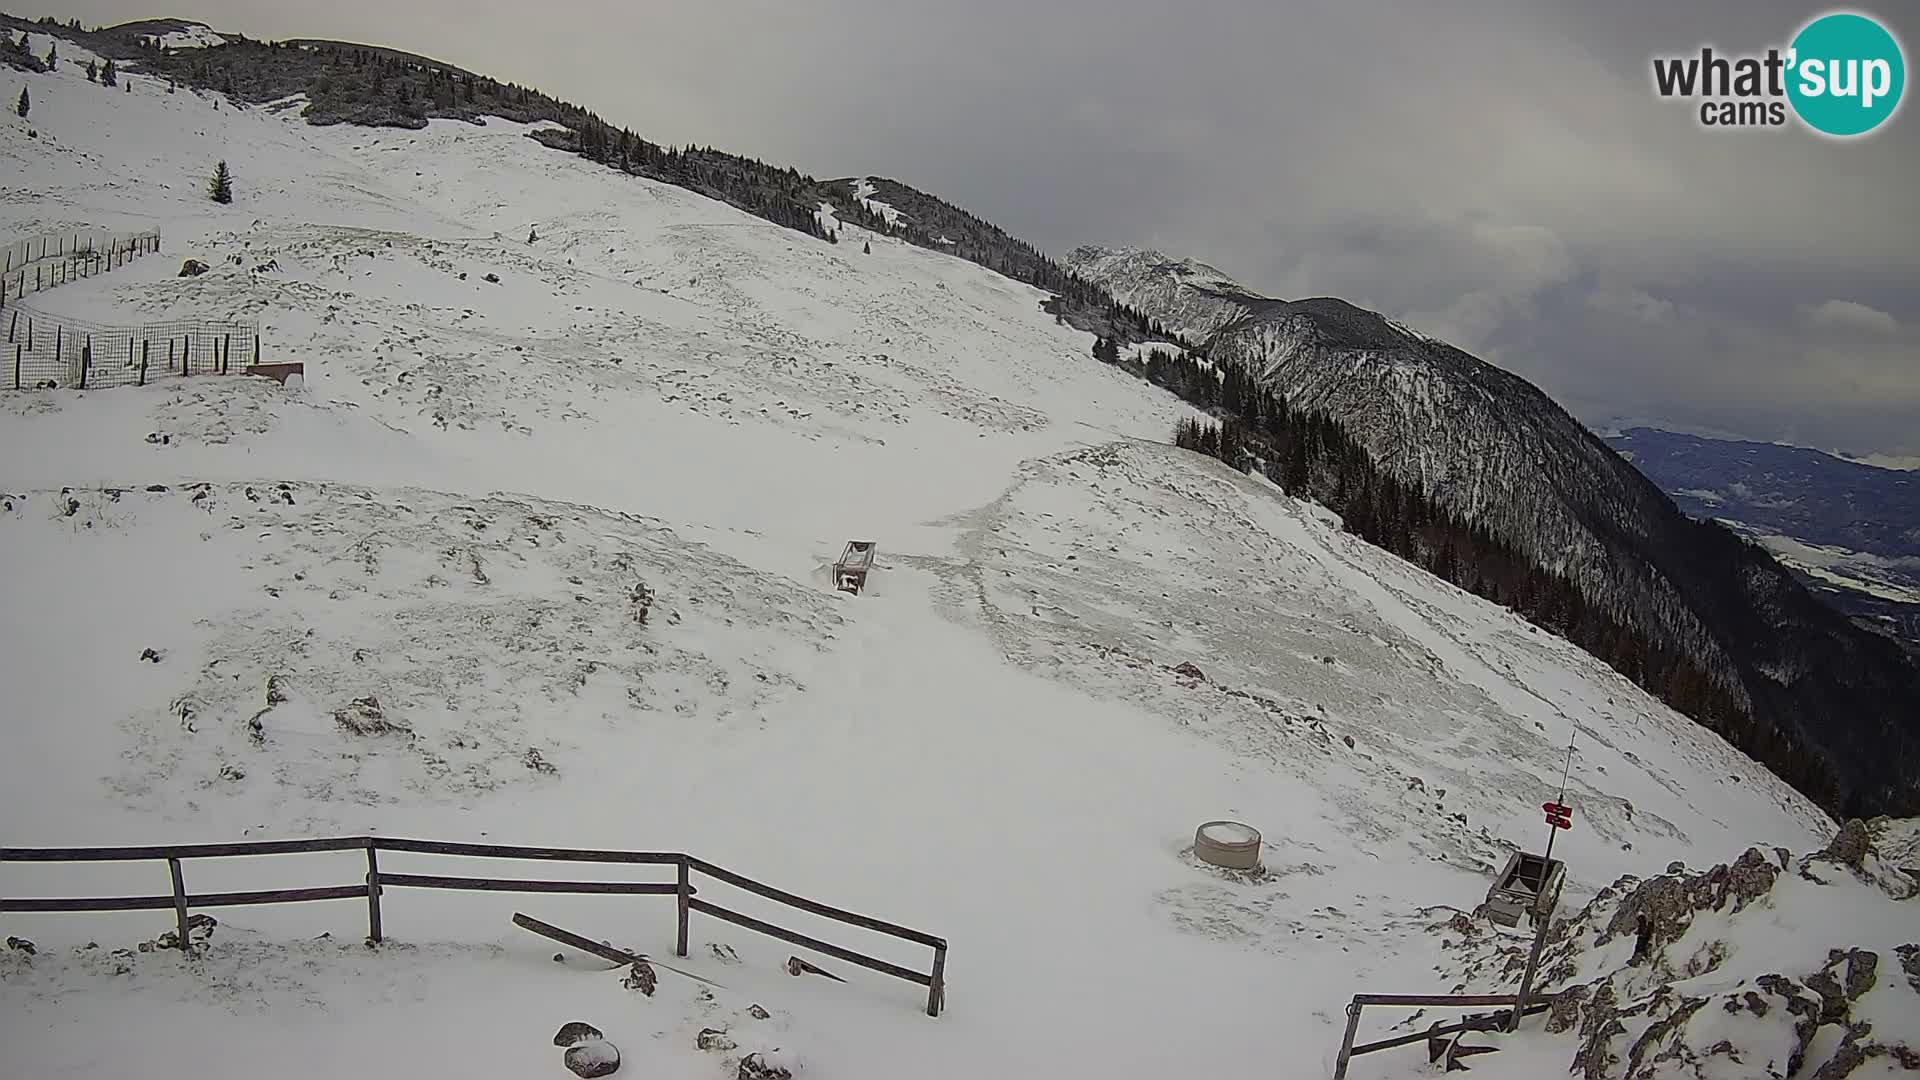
(575, 1031)
(594, 1057)
(642, 978)
(758, 1067)
(1765, 966)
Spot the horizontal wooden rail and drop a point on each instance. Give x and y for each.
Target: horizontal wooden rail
(505, 851)
(1447, 1029)
(429, 881)
(162, 903)
(815, 944)
(1348, 1051)
(184, 851)
(1462, 1000)
(789, 899)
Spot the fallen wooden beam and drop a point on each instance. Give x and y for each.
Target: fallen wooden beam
(797, 966)
(604, 952)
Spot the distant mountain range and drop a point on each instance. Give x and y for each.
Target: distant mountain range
(1852, 530)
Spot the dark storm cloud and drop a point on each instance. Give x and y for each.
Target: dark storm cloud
(1497, 172)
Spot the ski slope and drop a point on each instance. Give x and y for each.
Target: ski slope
(454, 514)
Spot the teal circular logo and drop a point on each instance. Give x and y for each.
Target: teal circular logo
(1846, 74)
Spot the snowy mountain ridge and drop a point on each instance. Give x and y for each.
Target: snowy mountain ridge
(1494, 450)
(1189, 297)
(538, 554)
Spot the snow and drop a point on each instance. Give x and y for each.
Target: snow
(1860, 571)
(987, 744)
(1227, 832)
(193, 36)
(863, 191)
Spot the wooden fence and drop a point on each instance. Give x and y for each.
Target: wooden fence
(1348, 1051)
(45, 262)
(377, 881)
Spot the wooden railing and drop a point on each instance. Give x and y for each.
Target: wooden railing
(377, 881)
(1349, 1051)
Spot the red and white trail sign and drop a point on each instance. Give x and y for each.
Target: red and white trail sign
(1559, 815)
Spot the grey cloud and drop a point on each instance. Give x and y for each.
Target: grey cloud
(1498, 170)
(1848, 316)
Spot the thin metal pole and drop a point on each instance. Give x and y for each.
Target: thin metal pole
(1541, 919)
(1533, 963)
(1553, 831)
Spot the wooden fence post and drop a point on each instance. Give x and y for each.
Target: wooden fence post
(256, 347)
(14, 325)
(16, 365)
(59, 339)
(937, 989)
(685, 894)
(86, 360)
(373, 892)
(226, 358)
(143, 360)
(1346, 1044)
(169, 354)
(179, 900)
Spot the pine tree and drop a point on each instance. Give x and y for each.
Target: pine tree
(221, 187)
(866, 248)
(109, 75)
(53, 55)
(24, 105)
(93, 71)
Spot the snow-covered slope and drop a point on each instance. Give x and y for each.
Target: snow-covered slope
(408, 599)
(1492, 449)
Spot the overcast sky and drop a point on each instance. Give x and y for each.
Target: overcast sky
(1496, 172)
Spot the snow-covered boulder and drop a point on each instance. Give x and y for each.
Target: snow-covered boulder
(594, 1057)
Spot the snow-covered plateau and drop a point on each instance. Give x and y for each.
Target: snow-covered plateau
(545, 560)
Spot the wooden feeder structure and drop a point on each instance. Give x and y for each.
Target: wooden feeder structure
(850, 572)
(1529, 886)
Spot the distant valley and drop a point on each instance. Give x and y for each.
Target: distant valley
(1850, 531)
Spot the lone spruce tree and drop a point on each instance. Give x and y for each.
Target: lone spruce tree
(222, 186)
(109, 76)
(24, 104)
